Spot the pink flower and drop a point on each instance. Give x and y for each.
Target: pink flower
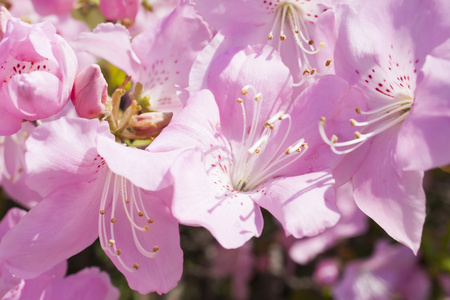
(38, 70)
(252, 145)
(159, 59)
(391, 270)
(287, 25)
(87, 194)
(406, 90)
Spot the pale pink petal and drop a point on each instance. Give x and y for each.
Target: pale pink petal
(231, 218)
(62, 161)
(148, 169)
(35, 288)
(105, 38)
(60, 226)
(9, 123)
(304, 205)
(32, 96)
(167, 54)
(88, 284)
(391, 197)
(422, 143)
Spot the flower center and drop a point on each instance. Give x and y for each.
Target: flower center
(125, 193)
(290, 17)
(250, 168)
(379, 120)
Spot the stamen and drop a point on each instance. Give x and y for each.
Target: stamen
(258, 143)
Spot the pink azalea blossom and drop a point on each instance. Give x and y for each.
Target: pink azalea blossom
(288, 25)
(353, 222)
(407, 93)
(159, 58)
(239, 163)
(392, 270)
(38, 70)
(87, 194)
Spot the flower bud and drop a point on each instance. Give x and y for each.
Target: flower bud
(5, 15)
(152, 123)
(90, 94)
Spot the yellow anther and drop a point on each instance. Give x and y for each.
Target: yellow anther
(111, 243)
(352, 122)
(244, 91)
(282, 37)
(140, 214)
(102, 212)
(358, 111)
(136, 267)
(240, 100)
(257, 98)
(257, 150)
(306, 72)
(323, 120)
(357, 134)
(313, 71)
(146, 228)
(334, 139)
(269, 37)
(118, 251)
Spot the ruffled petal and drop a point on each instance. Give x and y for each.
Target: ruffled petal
(304, 205)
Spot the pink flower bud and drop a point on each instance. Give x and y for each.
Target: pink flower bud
(90, 94)
(5, 15)
(152, 123)
(38, 68)
(119, 9)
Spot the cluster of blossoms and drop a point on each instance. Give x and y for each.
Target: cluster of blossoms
(321, 112)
